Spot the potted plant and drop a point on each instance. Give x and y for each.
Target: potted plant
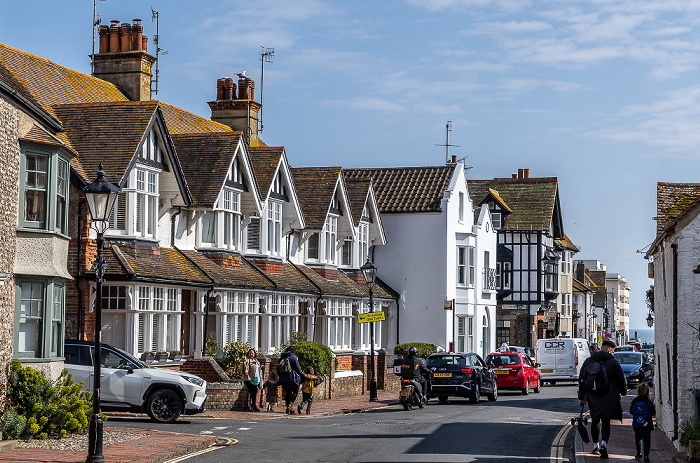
(175, 355)
(690, 438)
(148, 356)
(162, 356)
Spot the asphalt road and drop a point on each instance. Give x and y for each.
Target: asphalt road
(515, 428)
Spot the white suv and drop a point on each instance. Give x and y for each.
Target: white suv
(127, 384)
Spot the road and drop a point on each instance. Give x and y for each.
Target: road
(515, 428)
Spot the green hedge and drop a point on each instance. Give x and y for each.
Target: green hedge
(424, 348)
(316, 355)
(38, 408)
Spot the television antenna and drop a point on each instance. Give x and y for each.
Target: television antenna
(267, 55)
(96, 21)
(448, 129)
(159, 51)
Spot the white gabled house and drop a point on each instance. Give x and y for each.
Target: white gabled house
(437, 255)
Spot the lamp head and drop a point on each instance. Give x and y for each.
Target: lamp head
(100, 196)
(369, 270)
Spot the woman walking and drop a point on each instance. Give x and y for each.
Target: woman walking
(289, 372)
(250, 373)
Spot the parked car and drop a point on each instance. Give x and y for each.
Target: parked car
(525, 350)
(650, 354)
(635, 367)
(127, 384)
(561, 359)
(627, 348)
(515, 370)
(462, 375)
(636, 344)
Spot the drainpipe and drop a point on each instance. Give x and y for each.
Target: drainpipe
(211, 280)
(674, 247)
(320, 291)
(398, 314)
(80, 270)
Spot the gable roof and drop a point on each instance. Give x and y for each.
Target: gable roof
(406, 189)
(672, 200)
(566, 244)
(358, 191)
(315, 187)
(47, 84)
(532, 200)
(116, 127)
(205, 160)
(38, 134)
(180, 122)
(265, 160)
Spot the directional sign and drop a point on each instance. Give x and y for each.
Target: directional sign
(370, 317)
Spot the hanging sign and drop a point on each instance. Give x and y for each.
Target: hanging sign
(370, 317)
(448, 305)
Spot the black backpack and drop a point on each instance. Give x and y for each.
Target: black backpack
(595, 377)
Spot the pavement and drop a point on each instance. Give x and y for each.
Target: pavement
(154, 446)
(621, 445)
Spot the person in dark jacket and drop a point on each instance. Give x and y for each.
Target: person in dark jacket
(642, 434)
(603, 406)
(290, 381)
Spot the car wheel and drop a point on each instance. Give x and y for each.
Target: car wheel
(526, 389)
(164, 406)
(476, 394)
(442, 399)
(538, 387)
(494, 395)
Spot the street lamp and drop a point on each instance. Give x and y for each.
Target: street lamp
(100, 196)
(650, 320)
(369, 270)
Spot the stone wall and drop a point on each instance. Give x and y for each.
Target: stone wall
(9, 195)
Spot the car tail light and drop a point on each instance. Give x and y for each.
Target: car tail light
(576, 358)
(467, 370)
(405, 381)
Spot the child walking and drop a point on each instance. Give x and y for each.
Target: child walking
(642, 410)
(307, 389)
(270, 387)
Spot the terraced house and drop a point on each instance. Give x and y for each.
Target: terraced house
(213, 235)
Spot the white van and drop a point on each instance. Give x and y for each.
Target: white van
(561, 359)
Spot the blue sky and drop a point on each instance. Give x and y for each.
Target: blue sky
(602, 94)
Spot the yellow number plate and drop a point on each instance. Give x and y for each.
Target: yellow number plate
(501, 372)
(546, 371)
(405, 392)
(442, 375)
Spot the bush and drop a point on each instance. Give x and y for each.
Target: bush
(690, 430)
(424, 349)
(234, 352)
(37, 408)
(316, 355)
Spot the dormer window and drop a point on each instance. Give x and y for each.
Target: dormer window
(274, 226)
(221, 227)
(496, 220)
(330, 233)
(135, 211)
(363, 242)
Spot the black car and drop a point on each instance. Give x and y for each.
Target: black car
(461, 375)
(636, 368)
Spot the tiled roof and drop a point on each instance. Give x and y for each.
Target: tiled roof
(406, 189)
(672, 199)
(358, 190)
(107, 133)
(205, 159)
(567, 244)
(264, 161)
(532, 200)
(38, 134)
(245, 276)
(47, 84)
(498, 198)
(314, 188)
(180, 122)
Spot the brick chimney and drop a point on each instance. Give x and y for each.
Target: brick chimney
(239, 110)
(123, 59)
(522, 173)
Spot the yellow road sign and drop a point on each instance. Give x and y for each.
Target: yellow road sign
(370, 317)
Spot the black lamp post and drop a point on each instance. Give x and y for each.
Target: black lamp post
(100, 196)
(369, 270)
(650, 320)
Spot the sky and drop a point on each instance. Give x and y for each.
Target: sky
(601, 94)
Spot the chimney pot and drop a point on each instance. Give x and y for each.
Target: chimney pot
(220, 88)
(527, 173)
(513, 176)
(144, 43)
(246, 85)
(454, 159)
(520, 173)
(136, 35)
(114, 36)
(126, 37)
(229, 89)
(104, 39)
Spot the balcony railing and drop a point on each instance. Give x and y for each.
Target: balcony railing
(489, 279)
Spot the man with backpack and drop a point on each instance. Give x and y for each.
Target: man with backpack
(289, 372)
(601, 383)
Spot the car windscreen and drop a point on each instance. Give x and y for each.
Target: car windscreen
(628, 359)
(131, 358)
(498, 360)
(446, 360)
(625, 349)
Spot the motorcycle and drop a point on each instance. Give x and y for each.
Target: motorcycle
(409, 397)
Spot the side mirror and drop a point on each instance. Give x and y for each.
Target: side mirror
(537, 365)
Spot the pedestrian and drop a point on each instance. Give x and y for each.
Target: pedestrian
(307, 389)
(601, 383)
(289, 373)
(270, 387)
(250, 374)
(642, 410)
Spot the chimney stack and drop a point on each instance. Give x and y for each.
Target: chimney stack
(123, 59)
(238, 111)
(454, 159)
(526, 172)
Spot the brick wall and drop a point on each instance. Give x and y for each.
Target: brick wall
(206, 368)
(344, 362)
(9, 194)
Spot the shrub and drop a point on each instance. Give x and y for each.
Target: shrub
(316, 355)
(295, 338)
(690, 430)
(424, 349)
(38, 408)
(234, 352)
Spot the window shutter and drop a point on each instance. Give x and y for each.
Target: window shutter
(253, 233)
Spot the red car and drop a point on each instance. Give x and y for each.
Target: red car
(515, 370)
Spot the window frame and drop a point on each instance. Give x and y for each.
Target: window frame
(52, 295)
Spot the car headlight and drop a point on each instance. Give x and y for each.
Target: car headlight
(193, 380)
